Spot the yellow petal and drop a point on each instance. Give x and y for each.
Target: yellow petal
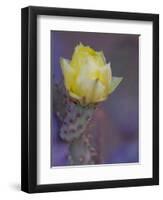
(99, 58)
(88, 84)
(83, 77)
(82, 53)
(114, 83)
(109, 72)
(105, 75)
(84, 87)
(100, 93)
(74, 96)
(79, 57)
(68, 73)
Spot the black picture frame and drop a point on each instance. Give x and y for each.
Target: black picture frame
(29, 98)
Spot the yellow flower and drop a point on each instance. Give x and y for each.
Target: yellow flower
(87, 77)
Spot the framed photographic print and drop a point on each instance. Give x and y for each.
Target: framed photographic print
(90, 99)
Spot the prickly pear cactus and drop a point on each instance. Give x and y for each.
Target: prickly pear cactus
(75, 121)
(75, 128)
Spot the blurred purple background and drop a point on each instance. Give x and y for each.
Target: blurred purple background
(117, 119)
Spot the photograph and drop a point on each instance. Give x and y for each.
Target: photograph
(90, 99)
(94, 98)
